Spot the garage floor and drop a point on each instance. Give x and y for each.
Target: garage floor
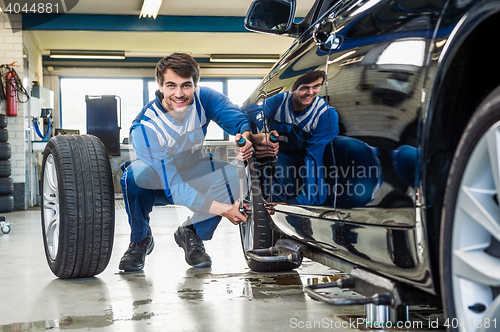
(168, 295)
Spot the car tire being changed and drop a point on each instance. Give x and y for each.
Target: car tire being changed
(78, 215)
(257, 232)
(470, 228)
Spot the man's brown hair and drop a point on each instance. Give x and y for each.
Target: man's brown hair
(182, 64)
(309, 78)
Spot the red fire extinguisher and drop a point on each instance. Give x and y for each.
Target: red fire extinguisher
(11, 93)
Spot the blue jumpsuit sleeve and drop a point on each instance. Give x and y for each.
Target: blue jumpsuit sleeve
(315, 190)
(226, 114)
(146, 143)
(256, 114)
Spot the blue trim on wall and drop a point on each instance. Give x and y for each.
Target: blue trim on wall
(133, 23)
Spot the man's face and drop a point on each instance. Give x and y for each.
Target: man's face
(305, 94)
(178, 92)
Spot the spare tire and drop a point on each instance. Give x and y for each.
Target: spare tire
(78, 213)
(6, 203)
(6, 186)
(5, 151)
(4, 135)
(3, 121)
(5, 169)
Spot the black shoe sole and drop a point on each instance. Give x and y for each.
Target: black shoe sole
(182, 244)
(127, 268)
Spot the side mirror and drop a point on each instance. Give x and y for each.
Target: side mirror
(270, 16)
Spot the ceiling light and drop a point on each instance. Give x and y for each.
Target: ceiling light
(405, 52)
(343, 56)
(268, 58)
(84, 54)
(150, 8)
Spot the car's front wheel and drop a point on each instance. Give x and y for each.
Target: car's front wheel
(470, 230)
(257, 232)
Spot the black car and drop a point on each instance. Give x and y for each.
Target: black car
(416, 85)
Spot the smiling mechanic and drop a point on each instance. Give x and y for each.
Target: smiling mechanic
(309, 124)
(168, 136)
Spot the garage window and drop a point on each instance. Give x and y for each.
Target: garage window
(74, 108)
(134, 93)
(238, 90)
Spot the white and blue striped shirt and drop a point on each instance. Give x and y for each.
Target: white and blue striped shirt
(171, 146)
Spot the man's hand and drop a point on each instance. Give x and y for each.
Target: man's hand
(234, 215)
(270, 206)
(231, 212)
(263, 145)
(245, 152)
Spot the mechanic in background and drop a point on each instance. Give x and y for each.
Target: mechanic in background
(309, 125)
(314, 165)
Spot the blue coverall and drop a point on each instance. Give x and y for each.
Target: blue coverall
(310, 170)
(299, 176)
(170, 168)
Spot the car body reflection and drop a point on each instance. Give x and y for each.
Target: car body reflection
(374, 78)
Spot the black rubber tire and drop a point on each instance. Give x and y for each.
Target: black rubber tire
(6, 186)
(486, 115)
(264, 235)
(5, 151)
(86, 212)
(4, 135)
(3, 121)
(5, 169)
(6, 204)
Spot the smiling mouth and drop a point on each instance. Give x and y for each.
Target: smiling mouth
(179, 102)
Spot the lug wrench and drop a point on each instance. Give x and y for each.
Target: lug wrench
(271, 161)
(242, 175)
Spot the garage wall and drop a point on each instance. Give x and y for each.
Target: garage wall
(32, 50)
(12, 51)
(22, 48)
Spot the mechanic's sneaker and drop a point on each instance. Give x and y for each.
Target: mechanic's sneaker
(135, 256)
(193, 247)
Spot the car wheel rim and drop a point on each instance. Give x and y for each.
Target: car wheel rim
(248, 233)
(247, 227)
(51, 207)
(475, 255)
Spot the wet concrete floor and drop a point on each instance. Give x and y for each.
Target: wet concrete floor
(167, 295)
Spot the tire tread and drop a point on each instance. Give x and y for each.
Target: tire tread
(86, 212)
(264, 235)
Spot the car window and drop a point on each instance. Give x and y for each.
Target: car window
(395, 17)
(327, 8)
(310, 17)
(327, 5)
(318, 11)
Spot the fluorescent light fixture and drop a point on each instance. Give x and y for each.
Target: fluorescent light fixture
(150, 8)
(343, 56)
(85, 54)
(364, 7)
(405, 52)
(266, 58)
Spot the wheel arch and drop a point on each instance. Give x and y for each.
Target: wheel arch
(458, 87)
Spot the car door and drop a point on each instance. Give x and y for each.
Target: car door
(374, 53)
